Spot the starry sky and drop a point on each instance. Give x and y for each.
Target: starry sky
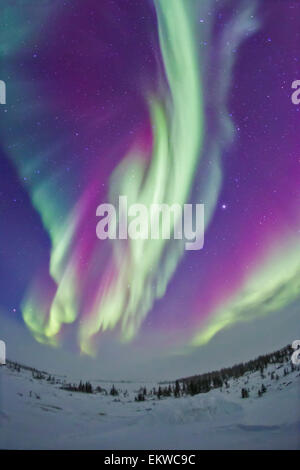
(163, 101)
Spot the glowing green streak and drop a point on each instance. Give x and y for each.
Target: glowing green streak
(271, 287)
(44, 194)
(140, 274)
(178, 130)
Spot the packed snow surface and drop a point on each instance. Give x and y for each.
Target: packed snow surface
(36, 414)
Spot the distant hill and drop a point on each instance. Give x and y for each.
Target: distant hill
(202, 383)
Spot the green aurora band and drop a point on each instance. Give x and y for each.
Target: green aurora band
(127, 288)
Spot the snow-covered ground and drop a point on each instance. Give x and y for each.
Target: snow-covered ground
(38, 415)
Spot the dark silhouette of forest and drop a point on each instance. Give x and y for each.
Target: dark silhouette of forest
(192, 385)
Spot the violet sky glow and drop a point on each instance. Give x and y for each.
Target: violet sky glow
(189, 102)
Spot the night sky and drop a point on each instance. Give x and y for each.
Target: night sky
(160, 100)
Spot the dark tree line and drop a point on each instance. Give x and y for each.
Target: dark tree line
(185, 386)
(17, 367)
(13, 366)
(83, 387)
(86, 387)
(205, 382)
(217, 379)
(171, 390)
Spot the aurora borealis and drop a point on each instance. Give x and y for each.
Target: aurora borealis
(164, 101)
